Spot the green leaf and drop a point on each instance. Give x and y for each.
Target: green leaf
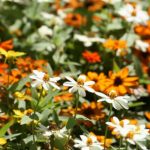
(55, 117)
(4, 129)
(25, 120)
(136, 104)
(115, 66)
(71, 123)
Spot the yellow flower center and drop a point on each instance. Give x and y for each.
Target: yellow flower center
(46, 77)
(89, 141)
(112, 94)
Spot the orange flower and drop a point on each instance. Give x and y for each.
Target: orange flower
(94, 5)
(121, 82)
(115, 44)
(28, 64)
(7, 45)
(63, 97)
(75, 20)
(91, 57)
(147, 115)
(92, 110)
(143, 30)
(101, 139)
(3, 68)
(70, 4)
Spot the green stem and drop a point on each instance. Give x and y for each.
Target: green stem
(106, 131)
(120, 143)
(136, 147)
(126, 145)
(33, 125)
(76, 109)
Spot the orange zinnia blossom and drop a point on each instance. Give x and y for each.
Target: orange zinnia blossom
(7, 45)
(143, 30)
(121, 81)
(92, 110)
(3, 68)
(70, 4)
(91, 57)
(100, 80)
(75, 20)
(63, 97)
(147, 115)
(94, 5)
(115, 44)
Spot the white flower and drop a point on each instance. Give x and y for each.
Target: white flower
(133, 14)
(80, 86)
(45, 31)
(62, 133)
(118, 102)
(53, 19)
(87, 143)
(120, 127)
(137, 135)
(140, 45)
(112, 1)
(42, 79)
(88, 41)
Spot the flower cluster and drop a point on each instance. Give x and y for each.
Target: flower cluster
(74, 74)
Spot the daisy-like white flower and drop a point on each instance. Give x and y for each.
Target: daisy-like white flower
(140, 45)
(80, 86)
(62, 133)
(122, 127)
(118, 102)
(88, 41)
(88, 143)
(137, 135)
(45, 31)
(133, 14)
(112, 1)
(43, 79)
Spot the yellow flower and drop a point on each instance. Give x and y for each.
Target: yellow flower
(18, 113)
(21, 96)
(11, 53)
(3, 141)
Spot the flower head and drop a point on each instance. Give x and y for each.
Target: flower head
(120, 128)
(118, 102)
(133, 14)
(80, 86)
(88, 143)
(91, 57)
(43, 79)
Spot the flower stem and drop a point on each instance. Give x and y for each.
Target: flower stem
(34, 113)
(75, 114)
(106, 131)
(120, 143)
(126, 145)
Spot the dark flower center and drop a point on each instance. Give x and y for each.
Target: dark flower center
(118, 81)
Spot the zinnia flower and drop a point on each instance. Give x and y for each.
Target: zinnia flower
(133, 14)
(41, 78)
(121, 81)
(91, 57)
(80, 86)
(118, 102)
(88, 143)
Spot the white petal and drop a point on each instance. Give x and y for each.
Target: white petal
(101, 94)
(70, 79)
(54, 85)
(89, 89)
(89, 83)
(55, 79)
